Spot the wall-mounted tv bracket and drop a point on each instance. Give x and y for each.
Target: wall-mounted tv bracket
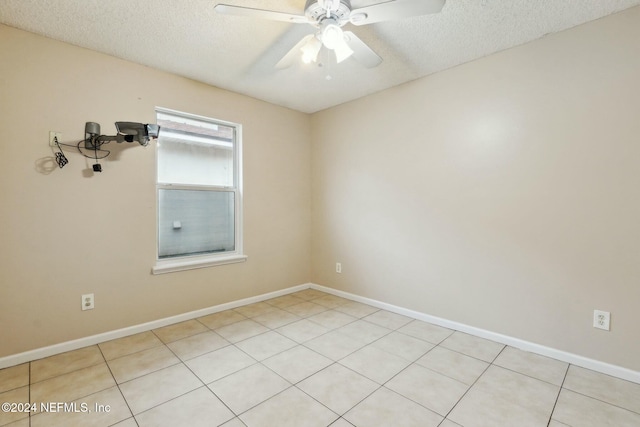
(93, 141)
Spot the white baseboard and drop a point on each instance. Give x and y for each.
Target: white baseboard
(595, 365)
(584, 362)
(51, 350)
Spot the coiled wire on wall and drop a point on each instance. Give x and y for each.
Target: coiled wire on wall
(62, 160)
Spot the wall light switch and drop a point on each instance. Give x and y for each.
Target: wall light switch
(177, 225)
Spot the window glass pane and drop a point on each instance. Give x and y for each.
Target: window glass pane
(195, 222)
(196, 152)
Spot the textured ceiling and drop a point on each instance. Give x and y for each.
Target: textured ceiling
(189, 38)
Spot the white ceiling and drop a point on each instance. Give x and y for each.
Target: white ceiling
(188, 38)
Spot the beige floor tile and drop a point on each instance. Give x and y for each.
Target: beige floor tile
(331, 301)
(249, 387)
(306, 309)
(296, 364)
(335, 345)
(604, 387)
(14, 377)
(426, 331)
(141, 363)
(285, 301)
(302, 330)
(338, 388)
(20, 423)
(198, 408)
(520, 388)
(356, 309)
(158, 387)
(17, 396)
(220, 319)
(197, 345)
(276, 318)
(477, 347)
(428, 388)
(114, 410)
(129, 422)
(341, 422)
(575, 409)
(220, 363)
(505, 398)
(129, 345)
(309, 294)
(235, 422)
(364, 331)
(266, 345)
(65, 362)
(386, 408)
(332, 319)
(74, 385)
(291, 408)
(387, 319)
(180, 330)
(375, 364)
(241, 330)
(449, 423)
(255, 309)
(465, 369)
(536, 366)
(402, 345)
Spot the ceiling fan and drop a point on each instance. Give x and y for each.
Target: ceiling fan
(328, 17)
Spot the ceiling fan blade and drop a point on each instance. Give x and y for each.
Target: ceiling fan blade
(228, 9)
(394, 9)
(295, 52)
(361, 52)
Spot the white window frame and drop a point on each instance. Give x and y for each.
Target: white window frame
(189, 262)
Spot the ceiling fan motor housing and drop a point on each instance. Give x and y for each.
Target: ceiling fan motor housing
(315, 12)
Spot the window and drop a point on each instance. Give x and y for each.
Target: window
(198, 192)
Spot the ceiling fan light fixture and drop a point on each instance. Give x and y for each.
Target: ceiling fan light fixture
(332, 35)
(329, 16)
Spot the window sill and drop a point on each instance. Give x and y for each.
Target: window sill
(173, 265)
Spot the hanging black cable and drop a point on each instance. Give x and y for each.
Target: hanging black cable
(95, 149)
(61, 159)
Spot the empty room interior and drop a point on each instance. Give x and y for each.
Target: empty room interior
(432, 221)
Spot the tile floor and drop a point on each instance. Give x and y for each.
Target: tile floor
(311, 359)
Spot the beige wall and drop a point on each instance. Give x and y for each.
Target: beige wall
(63, 233)
(503, 194)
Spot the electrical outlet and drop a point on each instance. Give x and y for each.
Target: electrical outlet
(52, 138)
(601, 319)
(88, 302)
(338, 267)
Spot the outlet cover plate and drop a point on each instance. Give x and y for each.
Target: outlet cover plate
(52, 138)
(601, 319)
(88, 302)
